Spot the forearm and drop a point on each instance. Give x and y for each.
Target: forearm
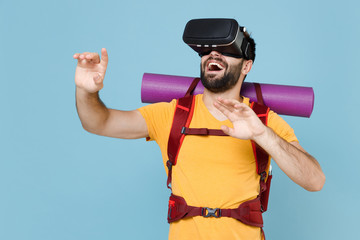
(92, 112)
(297, 164)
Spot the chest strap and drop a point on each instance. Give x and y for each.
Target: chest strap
(202, 131)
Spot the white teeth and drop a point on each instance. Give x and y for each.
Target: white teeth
(216, 64)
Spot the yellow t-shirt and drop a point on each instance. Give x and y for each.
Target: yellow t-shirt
(211, 171)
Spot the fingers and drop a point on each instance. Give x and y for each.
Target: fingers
(225, 129)
(91, 57)
(231, 103)
(233, 109)
(222, 108)
(227, 106)
(104, 57)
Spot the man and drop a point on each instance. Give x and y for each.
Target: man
(212, 171)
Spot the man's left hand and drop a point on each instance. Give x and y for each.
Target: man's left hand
(247, 125)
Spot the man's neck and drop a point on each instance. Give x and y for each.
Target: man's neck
(210, 97)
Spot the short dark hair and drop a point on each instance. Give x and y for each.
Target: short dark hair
(251, 41)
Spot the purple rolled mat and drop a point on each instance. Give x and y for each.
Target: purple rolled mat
(282, 99)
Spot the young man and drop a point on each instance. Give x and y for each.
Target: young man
(211, 171)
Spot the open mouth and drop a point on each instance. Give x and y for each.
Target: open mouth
(214, 66)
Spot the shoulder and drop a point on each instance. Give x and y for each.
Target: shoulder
(158, 118)
(281, 127)
(277, 124)
(155, 109)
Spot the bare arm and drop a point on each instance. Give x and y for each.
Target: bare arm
(94, 115)
(292, 159)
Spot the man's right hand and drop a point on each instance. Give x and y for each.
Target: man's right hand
(90, 70)
(94, 115)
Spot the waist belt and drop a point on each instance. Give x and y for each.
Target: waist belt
(249, 212)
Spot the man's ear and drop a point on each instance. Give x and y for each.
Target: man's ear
(246, 67)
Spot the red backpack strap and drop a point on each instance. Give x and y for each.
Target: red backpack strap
(261, 157)
(182, 118)
(203, 131)
(259, 96)
(192, 87)
(262, 112)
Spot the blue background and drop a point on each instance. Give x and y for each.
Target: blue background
(59, 182)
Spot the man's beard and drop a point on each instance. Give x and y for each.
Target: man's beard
(220, 84)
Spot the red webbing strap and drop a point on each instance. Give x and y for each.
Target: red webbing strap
(265, 195)
(248, 212)
(262, 158)
(182, 112)
(192, 87)
(259, 96)
(182, 117)
(203, 131)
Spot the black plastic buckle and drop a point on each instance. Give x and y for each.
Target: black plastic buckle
(211, 212)
(169, 214)
(263, 176)
(169, 164)
(183, 130)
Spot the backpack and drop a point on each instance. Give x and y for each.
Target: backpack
(249, 212)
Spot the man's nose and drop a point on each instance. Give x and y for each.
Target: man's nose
(215, 53)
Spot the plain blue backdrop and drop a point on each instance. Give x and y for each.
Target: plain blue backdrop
(59, 182)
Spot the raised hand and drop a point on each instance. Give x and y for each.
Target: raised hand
(90, 70)
(246, 123)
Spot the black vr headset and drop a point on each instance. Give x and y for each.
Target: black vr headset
(218, 34)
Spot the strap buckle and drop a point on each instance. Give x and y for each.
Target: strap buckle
(211, 212)
(183, 129)
(169, 164)
(263, 176)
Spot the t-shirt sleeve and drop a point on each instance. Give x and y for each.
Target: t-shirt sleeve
(280, 127)
(158, 117)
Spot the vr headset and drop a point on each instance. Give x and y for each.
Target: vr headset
(218, 34)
